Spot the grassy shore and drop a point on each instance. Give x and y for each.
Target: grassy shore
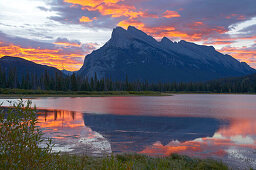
(49, 93)
(135, 161)
(21, 93)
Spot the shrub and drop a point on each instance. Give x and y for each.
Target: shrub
(21, 138)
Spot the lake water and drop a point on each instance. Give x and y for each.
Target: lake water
(200, 125)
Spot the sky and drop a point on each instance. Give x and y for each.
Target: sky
(60, 33)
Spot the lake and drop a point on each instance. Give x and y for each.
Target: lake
(221, 127)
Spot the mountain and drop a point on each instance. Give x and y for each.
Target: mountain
(23, 67)
(138, 56)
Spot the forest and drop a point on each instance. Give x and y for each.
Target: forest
(61, 82)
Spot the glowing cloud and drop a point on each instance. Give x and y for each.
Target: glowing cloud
(85, 19)
(90, 3)
(171, 14)
(69, 57)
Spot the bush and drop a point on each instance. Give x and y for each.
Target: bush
(20, 138)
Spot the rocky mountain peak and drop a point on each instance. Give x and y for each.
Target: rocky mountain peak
(166, 41)
(122, 38)
(133, 53)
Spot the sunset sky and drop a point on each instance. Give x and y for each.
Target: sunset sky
(60, 33)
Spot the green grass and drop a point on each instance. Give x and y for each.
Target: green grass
(49, 93)
(21, 93)
(135, 161)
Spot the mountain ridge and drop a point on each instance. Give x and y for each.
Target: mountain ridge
(139, 56)
(24, 66)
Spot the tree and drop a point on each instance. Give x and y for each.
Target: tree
(74, 85)
(46, 81)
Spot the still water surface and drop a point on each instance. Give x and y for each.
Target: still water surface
(200, 125)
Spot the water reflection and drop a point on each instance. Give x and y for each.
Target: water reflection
(219, 126)
(233, 143)
(133, 133)
(69, 133)
(61, 123)
(232, 140)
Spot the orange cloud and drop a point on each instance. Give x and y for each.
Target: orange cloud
(117, 10)
(108, 7)
(85, 19)
(67, 44)
(51, 57)
(161, 31)
(126, 23)
(170, 14)
(90, 3)
(218, 43)
(196, 24)
(134, 16)
(237, 16)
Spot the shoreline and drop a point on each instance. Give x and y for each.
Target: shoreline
(21, 93)
(3, 96)
(116, 94)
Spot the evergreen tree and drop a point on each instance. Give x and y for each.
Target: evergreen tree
(74, 86)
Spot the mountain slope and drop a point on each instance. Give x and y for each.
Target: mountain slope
(133, 53)
(23, 67)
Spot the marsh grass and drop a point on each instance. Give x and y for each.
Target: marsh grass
(22, 92)
(136, 162)
(20, 140)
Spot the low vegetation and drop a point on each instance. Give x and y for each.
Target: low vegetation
(23, 92)
(20, 141)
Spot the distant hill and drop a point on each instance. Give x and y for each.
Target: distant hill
(134, 54)
(23, 67)
(68, 73)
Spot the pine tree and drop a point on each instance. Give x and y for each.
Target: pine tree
(74, 86)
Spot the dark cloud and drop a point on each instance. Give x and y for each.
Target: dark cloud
(249, 30)
(25, 43)
(65, 40)
(43, 8)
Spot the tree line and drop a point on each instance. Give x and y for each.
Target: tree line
(61, 82)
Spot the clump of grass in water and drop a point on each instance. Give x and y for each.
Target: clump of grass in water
(19, 149)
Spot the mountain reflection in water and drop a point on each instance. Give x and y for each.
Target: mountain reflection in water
(69, 133)
(201, 125)
(193, 136)
(134, 133)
